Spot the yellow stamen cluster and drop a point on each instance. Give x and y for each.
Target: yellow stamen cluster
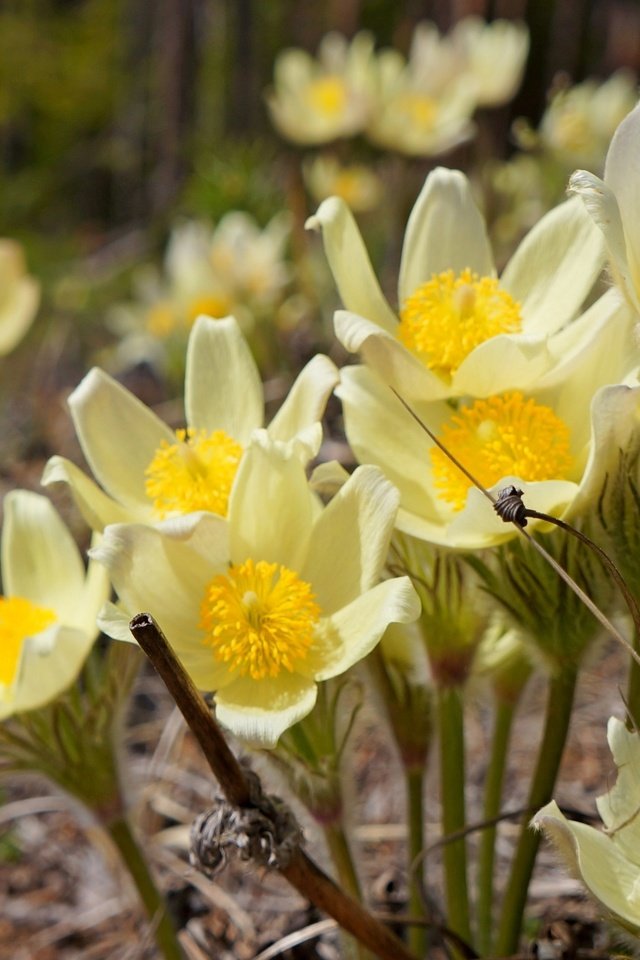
(327, 95)
(419, 109)
(195, 473)
(19, 620)
(449, 315)
(497, 437)
(259, 618)
(210, 305)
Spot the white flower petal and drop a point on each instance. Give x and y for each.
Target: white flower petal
(620, 177)
(350, 540)
(555, 267)
(445, 231)
(620, 807)
(40, 560)
(118, 434)
(350, 263)
(352, 633)
(505, 362)
(223, 389)
(97, 508)
(18, 312)
(259, 711)
(306, 401)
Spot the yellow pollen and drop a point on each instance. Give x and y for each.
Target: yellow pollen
(19, 620)
(161, 320)
(195, 473)
(418, 109)
(449, 316)
(259, 618)
(497, 437)
(210, 305)
(327, 95)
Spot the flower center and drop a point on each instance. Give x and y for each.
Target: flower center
(499, 436)
(211, 305)
(418, 109)
(161, 320)
(449, 315)
(195, 473)
(327, 95)
(259, 618)
(19, 620)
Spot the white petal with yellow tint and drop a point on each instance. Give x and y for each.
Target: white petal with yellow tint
(260, 711)
(223, 389)
(555, 267)
(352, 632)
(620, 175)
(305, 402)
(270, 509)
(504, 362)
(46, 668)
(609, 876)
(350, 263)
(388, 357)
(350, 540)
(445, 231)
(620, 807)
(602, 205)
(17, 312)
(118, 434)
(40, 560)
(97, 508)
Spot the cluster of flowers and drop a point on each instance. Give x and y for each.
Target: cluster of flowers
(420, 106)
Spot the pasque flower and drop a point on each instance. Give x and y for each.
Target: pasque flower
(148, 471)
(49, 608)
(264, 604)
(19, 296)
(555, 440)
(608, 862)
(460, 329)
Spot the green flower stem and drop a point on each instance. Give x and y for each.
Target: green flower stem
(418, 935)
(557, 720)
(491, 808)
(342, 859)
(154, 904)
(452, 781)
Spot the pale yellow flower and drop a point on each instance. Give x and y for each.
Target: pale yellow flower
(49, 608)
(614, 204)
(492, 56)
(608, 862)
(359, 186)
(315, 101)
(147, 471)
(263, 605)
(19, 296)
(460, 329)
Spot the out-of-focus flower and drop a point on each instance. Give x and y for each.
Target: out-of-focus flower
(234, 268)
(614, 204)
(492, 56)
(19, 296)
(542, 440)
(48, 612)
(282, 594)
(608, 862)
(149, 471)
(359, 186)
(423, 108)
(461, 330)
(315, 101)
(577, 126)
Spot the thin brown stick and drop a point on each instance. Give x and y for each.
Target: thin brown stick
(301, 871)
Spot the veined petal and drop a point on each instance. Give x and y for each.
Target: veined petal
(555, 267)
(619, 175)
(223, 389)
(388, 357)
(258, 712)
(502, 363)
(46, 672)
(602, 206)
(97, 508)
(350, 540)
(271, 507)
(610, 877)
(352, 633)
(118, 435)
(306, 401)
(445, 231)
(40, 560)
(350, 263)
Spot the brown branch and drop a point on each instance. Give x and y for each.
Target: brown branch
(301, 871)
